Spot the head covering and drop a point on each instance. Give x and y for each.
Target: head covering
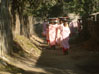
(50, 20)
(65, 20)
(53, 20)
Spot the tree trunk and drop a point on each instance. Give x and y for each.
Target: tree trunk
(6, 38)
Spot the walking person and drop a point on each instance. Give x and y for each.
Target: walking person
(58, 30)
(65, 32)
(45, 23)
(52, 32)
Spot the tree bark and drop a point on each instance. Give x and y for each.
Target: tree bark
(6, 38)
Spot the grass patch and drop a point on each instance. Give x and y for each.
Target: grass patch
(26, 45)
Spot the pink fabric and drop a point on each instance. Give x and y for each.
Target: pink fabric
(74, 27)
(65, 31)
(75, 24)
(52, 34)
(58, 34)
(47, 35)
(44, 28)
(44, 33)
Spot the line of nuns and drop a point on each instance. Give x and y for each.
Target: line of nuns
(57, 32)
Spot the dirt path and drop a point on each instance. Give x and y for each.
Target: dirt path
(75, 63)
(78, 61)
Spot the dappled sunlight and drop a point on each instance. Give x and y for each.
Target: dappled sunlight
(54, 62)
(27, 45)
(24, 60)
(49, 37)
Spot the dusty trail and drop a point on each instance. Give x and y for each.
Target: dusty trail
(78, 61)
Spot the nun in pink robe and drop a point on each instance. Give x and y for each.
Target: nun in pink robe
(44, 28)
(74, 27)
(51, 33)
(65, 32)
(47, 35)
(48, 30)
(58, 31)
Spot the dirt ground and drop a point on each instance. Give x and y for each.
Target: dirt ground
(52, 61)
(78, 61)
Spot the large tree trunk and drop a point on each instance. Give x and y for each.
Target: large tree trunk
(6, 38)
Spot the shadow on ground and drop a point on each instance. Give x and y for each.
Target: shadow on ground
(52, 61)
(79, 60)
(38, 29)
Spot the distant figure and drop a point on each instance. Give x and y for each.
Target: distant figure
(79, 22)
(47, 30)
(45, 23)
(75, 27)
(50, 20)
(65, 32)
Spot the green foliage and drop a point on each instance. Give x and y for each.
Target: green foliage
(45, 8)
(56, 10)
(52, 8)
(82, 7)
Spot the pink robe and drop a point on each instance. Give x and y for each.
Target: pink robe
(58, 34)
(73, 27)
(65, 32)
(51, 37)
(47, 35)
